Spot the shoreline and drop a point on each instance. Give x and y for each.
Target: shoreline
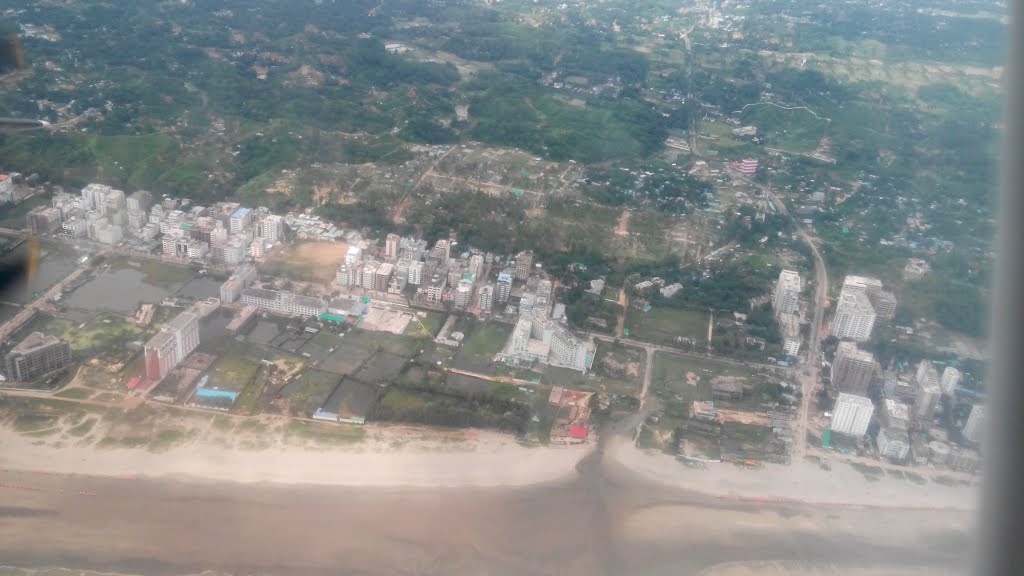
(492, 460)
(797, 484)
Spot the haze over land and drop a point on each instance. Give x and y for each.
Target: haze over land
(704, 285)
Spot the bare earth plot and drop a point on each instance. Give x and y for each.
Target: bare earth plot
(308, 261)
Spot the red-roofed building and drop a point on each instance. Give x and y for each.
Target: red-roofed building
(6, 188)
(134, 382)
(578, 431)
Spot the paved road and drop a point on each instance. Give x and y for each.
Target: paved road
(809, 374)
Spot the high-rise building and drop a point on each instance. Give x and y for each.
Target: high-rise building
(353, 255)
(893, 443)
(370, 274)
(382, 276)
(44, 220)
(415, 272)
(975, 427)
(476, 266)
(950, 379)
(257, 248)
(175, 341)
(896, 414)
(928, 392)
(271, 228)
(38, 354)
(391, 246)
(463, 292)
(852, 414)
(786, 299)
(855, 317)
(240, 220)
(853, 369)
(94, 195)
(442, 251)
(485, 298)
(109, 234)
(504, 287)
(239, 281)
(140, 200)
(524, 263)
(882, 302)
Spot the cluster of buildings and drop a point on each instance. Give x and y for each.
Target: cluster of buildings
(541, 336)
(908, 404)
(226, 232)
(438, 275)
(906, 411)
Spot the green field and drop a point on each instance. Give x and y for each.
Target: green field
(104, 332)
(425, 324)
(486, 340)
(668, 376)
(666, 325)
(234, 370)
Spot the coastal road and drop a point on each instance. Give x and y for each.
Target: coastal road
(809, 373)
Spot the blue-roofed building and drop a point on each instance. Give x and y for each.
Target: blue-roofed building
(240, 220)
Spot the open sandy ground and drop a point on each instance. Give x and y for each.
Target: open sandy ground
(489, 460)
(802, 482)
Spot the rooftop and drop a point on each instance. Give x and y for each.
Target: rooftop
(845, 398)
(897, 410)
(35, 340)
(181, 320)
(850, 351)
(261, 293)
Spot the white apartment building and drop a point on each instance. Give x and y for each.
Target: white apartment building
(353, 255)
(271, 228)
(232, 289)
(463, 292)
(786, 299)
(893, 443)
(485, 298)
(855, 317)
(283, 303)
(852, 414)
(975, 426)
(415, 272)
(950, 380)
(369, 274)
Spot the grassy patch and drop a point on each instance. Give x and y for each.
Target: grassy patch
(669, 375)
(667, 326)
(234, 371)
(329, 434)
(425, 324)
(75, 393)
(486, 340)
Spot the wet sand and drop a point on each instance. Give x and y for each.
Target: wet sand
(606, 520)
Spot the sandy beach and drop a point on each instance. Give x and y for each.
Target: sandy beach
(804, 482)
(490, 459)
